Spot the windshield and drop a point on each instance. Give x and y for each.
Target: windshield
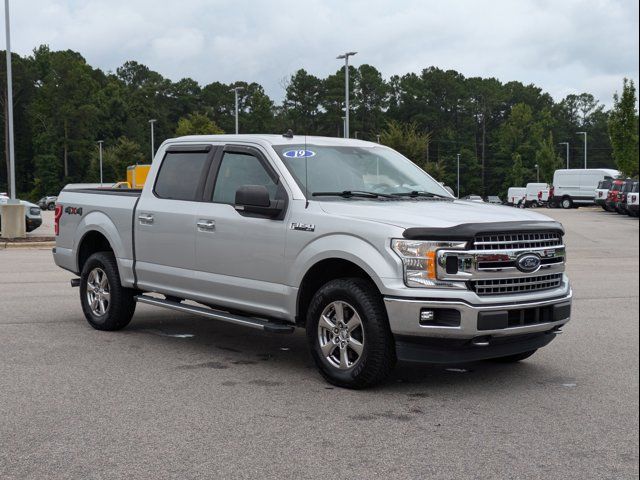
(604, 184)
(340, 168)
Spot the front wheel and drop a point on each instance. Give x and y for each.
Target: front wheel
(514, 358)
(106, 304)
(349, 335)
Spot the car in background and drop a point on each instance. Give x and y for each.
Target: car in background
(536, 195)
(633, 199)
(575, 187)
(602, 192)
(32, 213)
(494, 200)
(515, 195)
(48, 203)
(473, 198)
(621, 204)
(614, 194)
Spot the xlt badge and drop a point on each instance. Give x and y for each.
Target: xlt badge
(304, 227)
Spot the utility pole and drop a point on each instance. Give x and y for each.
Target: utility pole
(585, 147)
(458, 192)
(100, 142)
(235, 90)
(567, 144)
(346, 89)
(153, 149)
(9, 119)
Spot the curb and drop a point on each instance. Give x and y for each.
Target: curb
(24, 245)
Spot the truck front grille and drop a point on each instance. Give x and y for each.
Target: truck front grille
(517, 241)
(506, 286)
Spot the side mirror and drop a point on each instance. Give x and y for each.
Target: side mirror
(255, 199)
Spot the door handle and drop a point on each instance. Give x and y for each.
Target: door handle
(206, 225)
(145, 219)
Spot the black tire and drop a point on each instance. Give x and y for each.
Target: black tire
(514, 358)
(121, 304)
(378, 357)
(567, 203)
(51, 206)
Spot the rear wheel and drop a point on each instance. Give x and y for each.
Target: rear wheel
(348, 332)
(567, 203)
(514, 358)
(51, 206)
(106, 304)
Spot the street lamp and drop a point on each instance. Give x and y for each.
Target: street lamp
(346, 89)
(458, 175)
(12, 154)
(567, 144)
(344, 126)
(100, 142)
(235, 90)
(153, 150)
(538, 173)
(585, 147)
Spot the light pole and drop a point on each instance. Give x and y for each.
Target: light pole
(153, 150)
(12, 154)
(585, 147)
(346, 89)
(538, 173)
(235, 90)
(344, 126)
(458, 175)
(567, 144)
(378, 138)
(100, 142)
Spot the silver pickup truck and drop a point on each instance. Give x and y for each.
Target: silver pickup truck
(345, 238)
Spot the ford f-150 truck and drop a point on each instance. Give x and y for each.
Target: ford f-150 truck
(345, 238)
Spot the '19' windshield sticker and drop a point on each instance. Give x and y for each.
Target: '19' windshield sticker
(299, 153)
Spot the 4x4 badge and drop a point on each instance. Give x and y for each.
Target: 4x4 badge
(304, 227)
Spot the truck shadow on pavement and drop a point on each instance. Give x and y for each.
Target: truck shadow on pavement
(215, 345)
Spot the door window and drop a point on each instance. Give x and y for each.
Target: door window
(180, 175)
(236, 170)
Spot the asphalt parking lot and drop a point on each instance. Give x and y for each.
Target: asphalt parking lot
(177, 396)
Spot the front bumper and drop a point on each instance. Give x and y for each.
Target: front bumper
(33, 223)
(465, 321)
(474, 332)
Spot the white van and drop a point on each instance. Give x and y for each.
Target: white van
(577, 187)
(537, 194)
(515, 195)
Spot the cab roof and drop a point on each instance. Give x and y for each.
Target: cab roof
(275, 140)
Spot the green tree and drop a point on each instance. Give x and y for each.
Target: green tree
(516, 175)
(197, 124)
(547, 159)
(623, 129)
(408, 140)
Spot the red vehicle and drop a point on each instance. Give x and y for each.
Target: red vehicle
(615, 195)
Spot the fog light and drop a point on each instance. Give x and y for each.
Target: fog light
(427, 316)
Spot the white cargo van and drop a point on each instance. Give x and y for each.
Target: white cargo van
(572, 188)
(537, 194)
(515, 195)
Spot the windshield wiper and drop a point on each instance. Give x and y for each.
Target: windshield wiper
(416, 193)
(351, 193)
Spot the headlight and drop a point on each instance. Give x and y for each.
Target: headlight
(419, 259)
(35, 211)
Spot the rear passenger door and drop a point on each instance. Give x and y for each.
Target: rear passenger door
(240, 256)
(165, 221)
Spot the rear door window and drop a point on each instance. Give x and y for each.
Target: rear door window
(181, 175)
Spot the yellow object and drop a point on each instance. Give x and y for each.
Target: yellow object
(137, 175)
(431, 265)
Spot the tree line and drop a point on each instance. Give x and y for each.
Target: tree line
(63, 106)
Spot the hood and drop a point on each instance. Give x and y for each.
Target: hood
(431, 213)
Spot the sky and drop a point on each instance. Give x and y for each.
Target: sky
(564, 47)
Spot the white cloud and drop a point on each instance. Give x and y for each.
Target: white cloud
(563, 47)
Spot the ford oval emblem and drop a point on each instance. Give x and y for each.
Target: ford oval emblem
(528, 263)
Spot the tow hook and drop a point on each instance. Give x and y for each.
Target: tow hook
(481, 341)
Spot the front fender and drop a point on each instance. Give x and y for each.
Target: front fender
(378, 262)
